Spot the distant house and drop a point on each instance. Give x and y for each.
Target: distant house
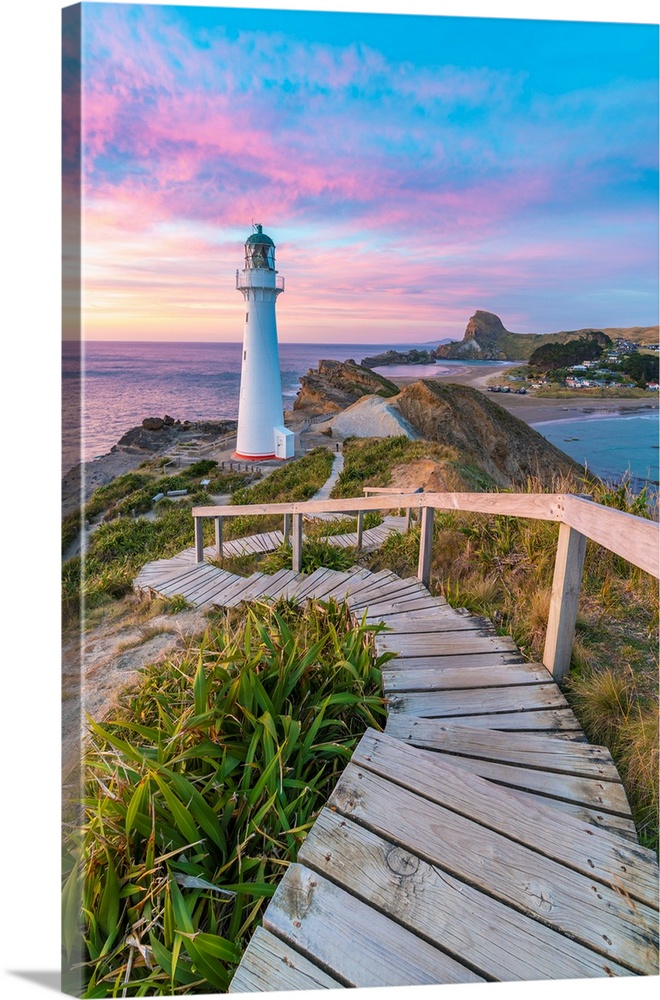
(652, 386)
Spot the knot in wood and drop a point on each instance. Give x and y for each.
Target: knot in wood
(401, 863)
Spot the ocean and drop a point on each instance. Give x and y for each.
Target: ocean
(124, 382)
(611, 446)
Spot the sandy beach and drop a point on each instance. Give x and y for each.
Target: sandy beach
(530, 408)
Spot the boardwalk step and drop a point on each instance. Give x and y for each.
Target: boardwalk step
(503, 943)
(518, 875)
(317, 918)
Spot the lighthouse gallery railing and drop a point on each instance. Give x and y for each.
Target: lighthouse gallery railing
(633, 538)
(243, 281)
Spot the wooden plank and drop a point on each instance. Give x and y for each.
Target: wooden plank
(211, 584)
(397, 677)
(232, 591)
(440, 624)
(425, 546)
(538, 827)
(562, 616)
(447, 644)
(277, 588)
(356, 942)
(542, 752)
(331, 583)
(611, 823)
(393, 607)
(186, 581)
(461, 661)
(486, 701)
(600, 795)
(296, 543)
(636, 539)
(257, 583)
(598, 916)
(561, 722)
(542, 506)
(501, 943)
(379, 591)
(270, 965)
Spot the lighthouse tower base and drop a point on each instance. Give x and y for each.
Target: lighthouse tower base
(283, 442)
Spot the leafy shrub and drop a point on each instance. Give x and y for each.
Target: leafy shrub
(201, 791)
(200, 468)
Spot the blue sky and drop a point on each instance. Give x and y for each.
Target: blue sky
(411, 169)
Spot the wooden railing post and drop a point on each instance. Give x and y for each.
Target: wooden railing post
(360, 521)
(199, 539)
(408, 519)
(296, 562)
(287, 528)
(218, 537)
(425, 545)
(564, 601)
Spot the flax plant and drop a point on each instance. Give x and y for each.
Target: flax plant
(200, 792)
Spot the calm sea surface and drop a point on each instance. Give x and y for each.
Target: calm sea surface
(611, 446)
(124, 382)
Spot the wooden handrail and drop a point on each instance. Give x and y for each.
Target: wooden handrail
(635, 539)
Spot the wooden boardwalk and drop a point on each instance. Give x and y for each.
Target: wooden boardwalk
(479, 838)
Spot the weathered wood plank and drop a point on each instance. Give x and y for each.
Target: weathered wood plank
(379, 608)
(538, 827)
(610, 823)
(447, 643)
(270, 965)
(539, 752)
(502, 943)
(520, 877)
(560, 722)
(636, 539)
(562, 616)
(484, 701)
(357, 942)
(397, 677)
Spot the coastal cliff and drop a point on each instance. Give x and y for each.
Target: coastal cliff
(484, 435)
(334, 385)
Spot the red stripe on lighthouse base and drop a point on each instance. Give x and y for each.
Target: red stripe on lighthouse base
(253, 458)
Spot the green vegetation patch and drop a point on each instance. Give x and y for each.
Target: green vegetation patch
(369, 461)
(296, 481)
(201, 791)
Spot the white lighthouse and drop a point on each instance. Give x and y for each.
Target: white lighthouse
(261, 430)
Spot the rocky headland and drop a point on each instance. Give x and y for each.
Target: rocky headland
(487, 339)
(334, 385)
(485, 435)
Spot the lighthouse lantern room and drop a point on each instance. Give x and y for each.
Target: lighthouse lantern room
(261, 431)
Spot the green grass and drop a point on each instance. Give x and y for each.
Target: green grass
(201, 790)
(119, 547)
(295, 481)
(369, 461)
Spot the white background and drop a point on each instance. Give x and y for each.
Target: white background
(29, 544)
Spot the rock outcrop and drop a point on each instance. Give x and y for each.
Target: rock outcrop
(487, 339)
(412, 357)
(334, 385)
(371, 416)
(484, 434)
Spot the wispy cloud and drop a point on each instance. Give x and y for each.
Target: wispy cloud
(405, 193)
